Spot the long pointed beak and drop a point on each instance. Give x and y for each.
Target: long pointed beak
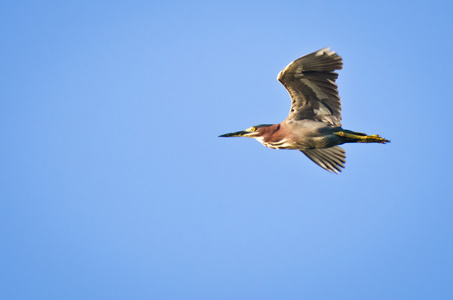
(237, 133)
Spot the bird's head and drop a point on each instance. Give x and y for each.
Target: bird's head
(257, 131)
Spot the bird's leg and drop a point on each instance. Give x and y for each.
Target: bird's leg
(356, 137)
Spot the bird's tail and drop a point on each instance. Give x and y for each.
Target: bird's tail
(358, 137)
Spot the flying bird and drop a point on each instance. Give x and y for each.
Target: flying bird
(313, 125)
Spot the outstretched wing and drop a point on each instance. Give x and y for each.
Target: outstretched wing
(330, 159)
(310, 81)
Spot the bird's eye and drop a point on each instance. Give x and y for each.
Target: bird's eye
(252, 129)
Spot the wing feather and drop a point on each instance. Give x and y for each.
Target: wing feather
(332, 159)
(310, 82)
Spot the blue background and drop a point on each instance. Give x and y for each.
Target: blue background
(114, 184)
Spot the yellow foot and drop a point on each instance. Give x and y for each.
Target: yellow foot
(376, 139)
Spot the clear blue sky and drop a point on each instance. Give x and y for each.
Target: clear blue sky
(114, 184)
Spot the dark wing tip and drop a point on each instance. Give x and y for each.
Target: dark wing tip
(322, 60)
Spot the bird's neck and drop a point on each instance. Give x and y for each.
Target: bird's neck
(273, 132)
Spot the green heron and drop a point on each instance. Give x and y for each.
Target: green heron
(313, 125)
